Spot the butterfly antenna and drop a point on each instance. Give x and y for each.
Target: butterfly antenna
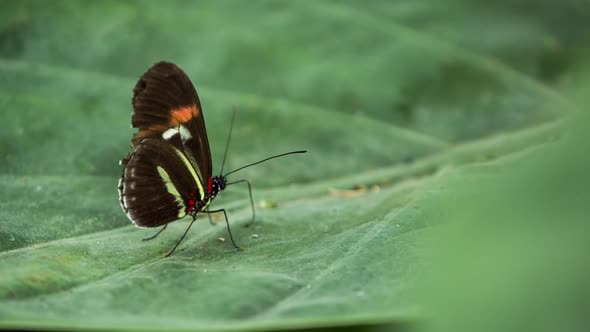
(263, 160)
(231, 126)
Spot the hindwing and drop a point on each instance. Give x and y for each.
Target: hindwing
(159, 184)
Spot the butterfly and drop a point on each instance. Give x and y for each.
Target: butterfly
(168, 174)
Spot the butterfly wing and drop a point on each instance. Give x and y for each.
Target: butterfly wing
(158, 184)
(166, 104)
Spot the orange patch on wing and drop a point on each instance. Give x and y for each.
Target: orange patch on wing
(183, 114)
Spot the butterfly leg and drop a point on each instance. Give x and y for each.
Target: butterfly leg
(213, 223)
(183, 235)
(251, 200)
(228, 229)
(155, 235)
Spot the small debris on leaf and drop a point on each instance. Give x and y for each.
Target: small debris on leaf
(348, 193)
(266, 204)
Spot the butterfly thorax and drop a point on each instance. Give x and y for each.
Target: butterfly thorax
(216, 184)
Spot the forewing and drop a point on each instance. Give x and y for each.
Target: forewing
(165, 103)
(157, 183)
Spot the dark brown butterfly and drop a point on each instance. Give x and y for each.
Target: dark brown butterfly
(168, 174)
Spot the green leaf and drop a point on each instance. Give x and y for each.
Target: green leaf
(518, 249)
(397, 103)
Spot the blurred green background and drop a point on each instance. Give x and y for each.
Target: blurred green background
(445, 188)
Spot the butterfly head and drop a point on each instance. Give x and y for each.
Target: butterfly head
(216, 184)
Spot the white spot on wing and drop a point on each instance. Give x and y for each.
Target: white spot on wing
(121, 195)
(185, 135)
(169, 133)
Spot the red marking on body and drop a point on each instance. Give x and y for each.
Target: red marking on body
(192, 194)
(210, 184)
(191, 202)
